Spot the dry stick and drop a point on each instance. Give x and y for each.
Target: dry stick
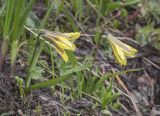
(134, 66)
(128, 92)
(156, 66)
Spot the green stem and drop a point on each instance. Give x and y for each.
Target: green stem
(96, 51)
(13, 56)
(52, 61)
(31, 66)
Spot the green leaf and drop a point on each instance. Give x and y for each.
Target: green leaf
(116, 105)
(20, 85)
(73, 70)
(32, 20)
(48, 83)
(131, 2)
(113, 6)
(36, 73)
(71, 57)
(143, 34)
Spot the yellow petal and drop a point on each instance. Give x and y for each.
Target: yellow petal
(62, 52)
(130, 48)
(65, 46)
(118, 53)
(129, 51)
(129, 54)
(69, 36)
(72, 36)
(118, 42)
(63, 42)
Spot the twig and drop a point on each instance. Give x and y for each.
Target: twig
(149, 61)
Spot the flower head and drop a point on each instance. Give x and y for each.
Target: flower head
(62, 41)
(121, 50)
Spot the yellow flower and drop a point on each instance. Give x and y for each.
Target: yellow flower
(62, 41)
(121, 50)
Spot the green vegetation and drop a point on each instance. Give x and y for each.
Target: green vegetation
(47, 45)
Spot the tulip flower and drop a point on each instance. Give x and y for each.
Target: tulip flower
(62, 42)
(121, 50)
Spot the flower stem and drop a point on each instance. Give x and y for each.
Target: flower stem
(31, 65)
(98, 37)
